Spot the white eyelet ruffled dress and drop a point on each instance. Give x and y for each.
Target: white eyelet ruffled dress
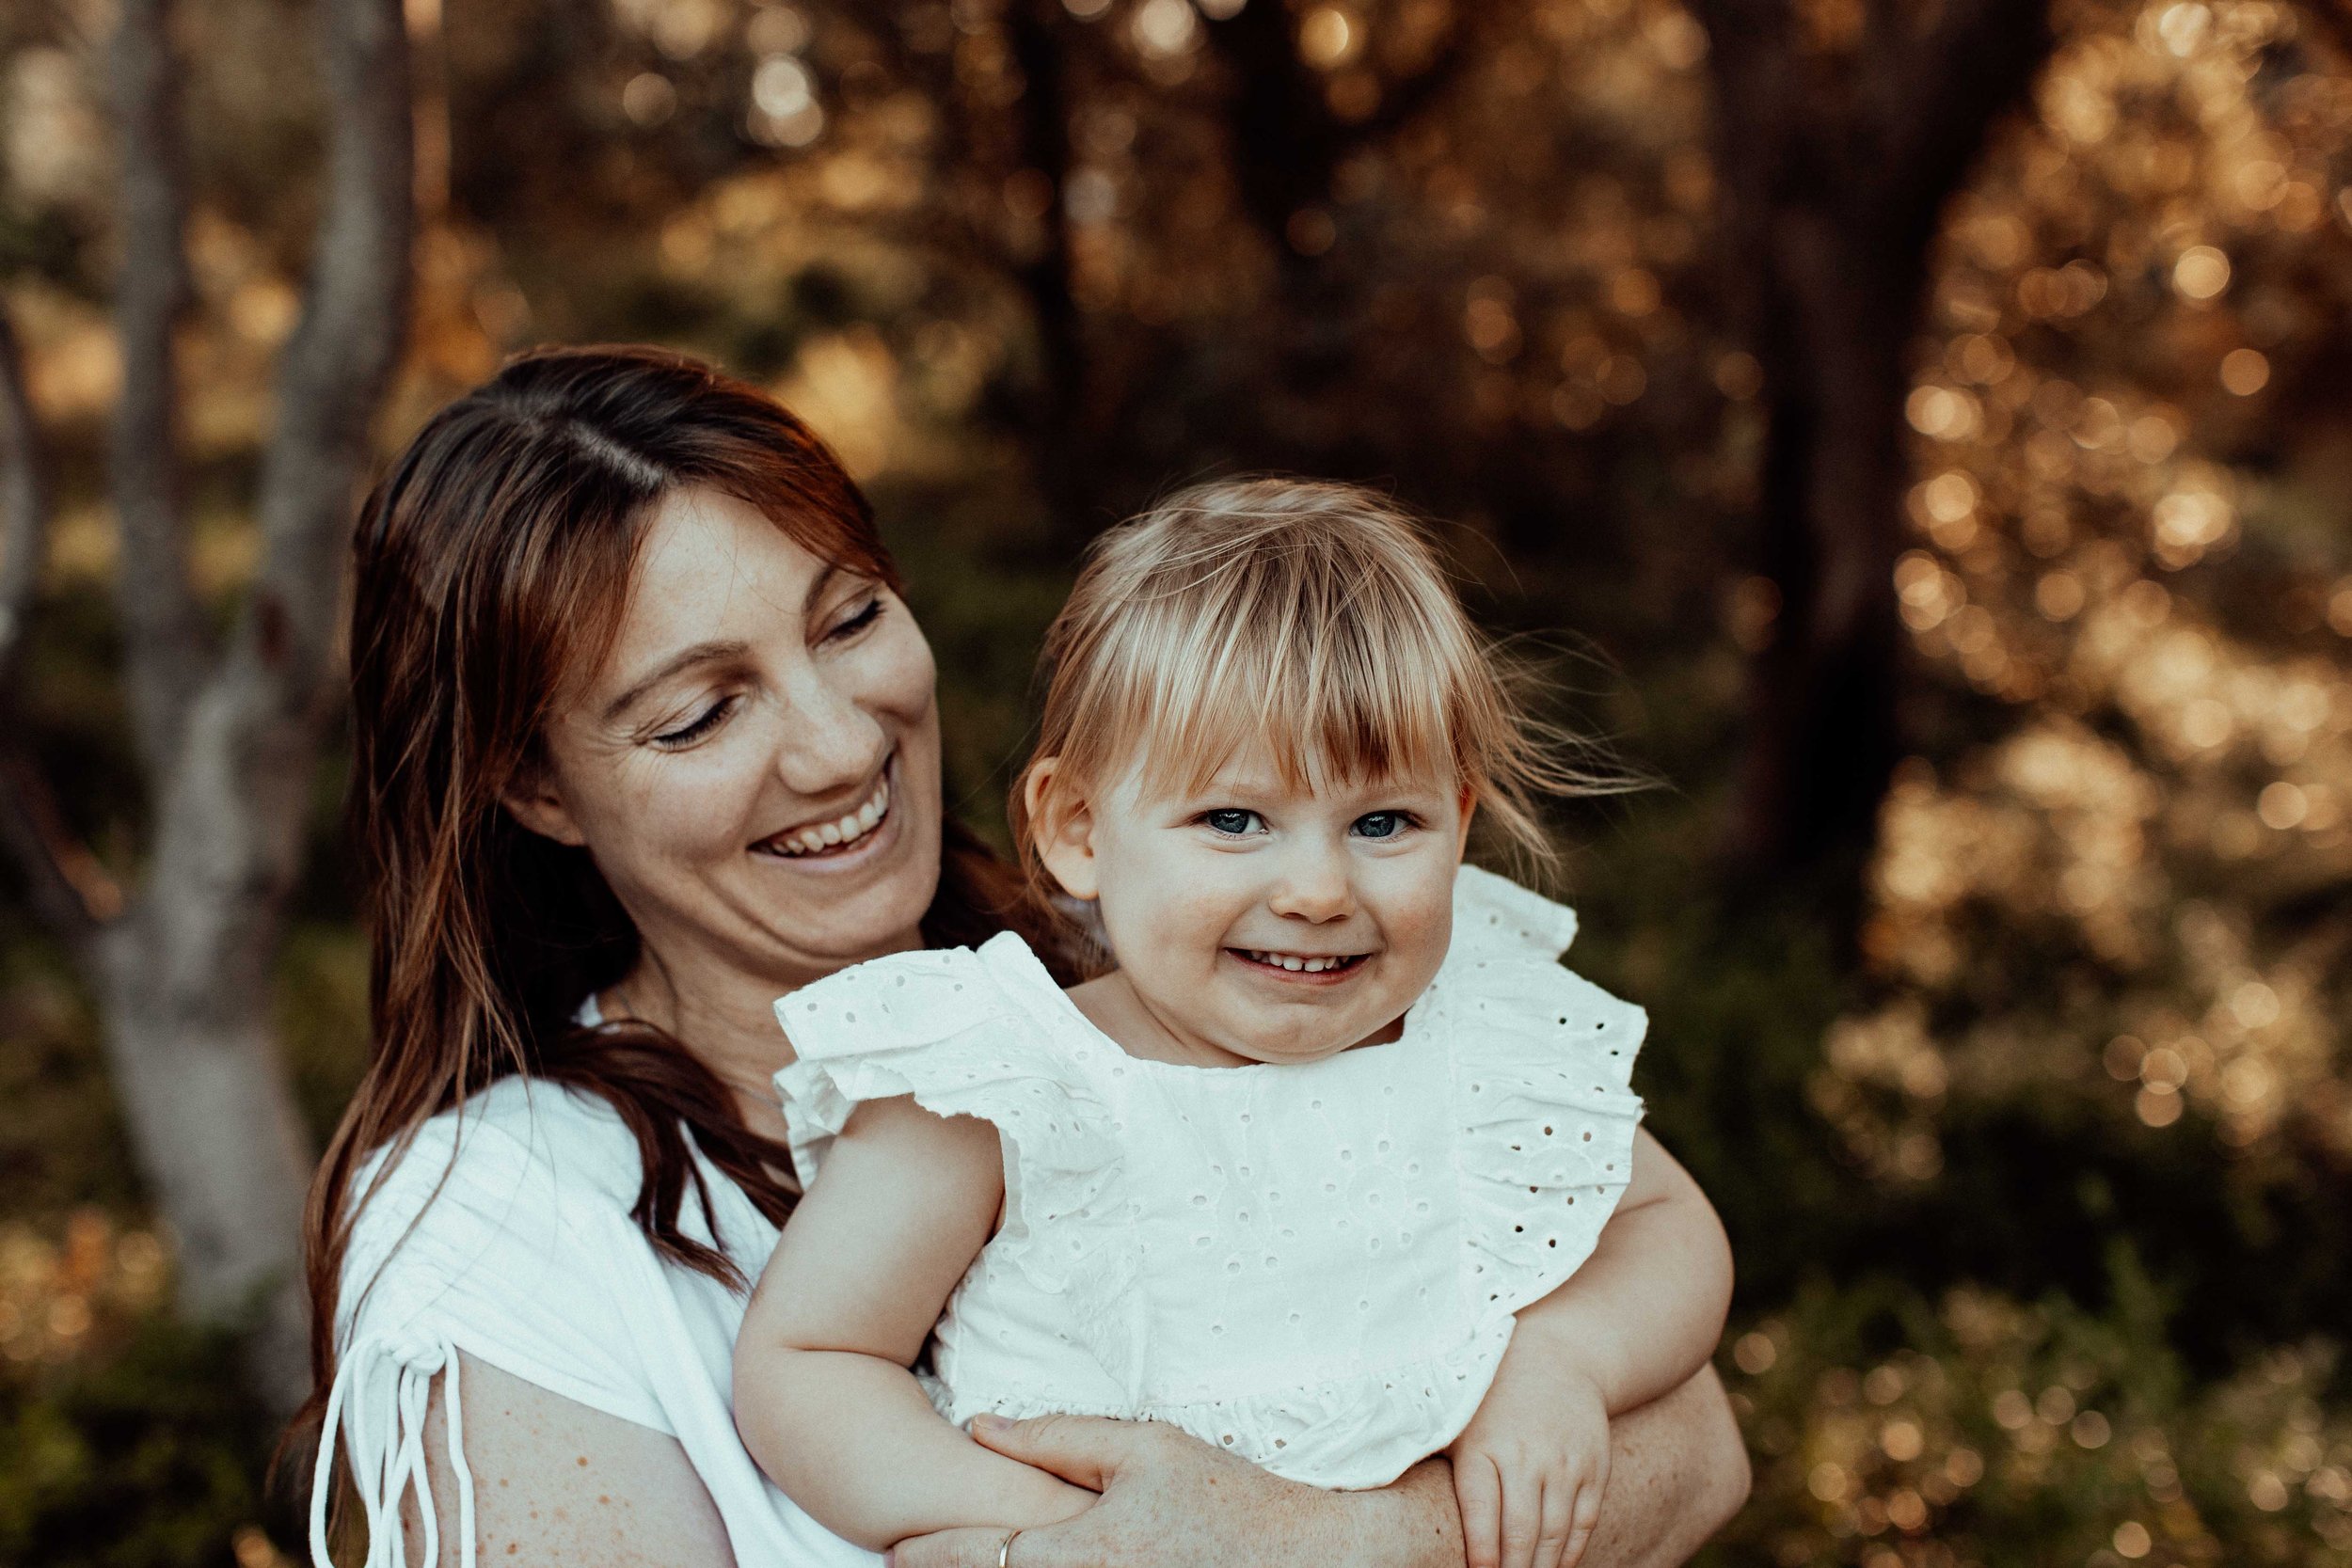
(1314, 1266)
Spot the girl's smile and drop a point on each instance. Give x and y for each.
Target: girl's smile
(1312, 967)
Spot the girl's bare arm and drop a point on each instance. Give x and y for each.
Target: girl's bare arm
(823, 1398)
(1645, 1313)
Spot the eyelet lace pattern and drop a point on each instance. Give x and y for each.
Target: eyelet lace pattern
(1312, 1265)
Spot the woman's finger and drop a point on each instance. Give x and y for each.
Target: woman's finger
(1522, 1518)
(1478, 1489)
(1084, 1451)
(948, 1548)
(1552, 1535)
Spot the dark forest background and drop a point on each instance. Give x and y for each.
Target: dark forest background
(1914, 430)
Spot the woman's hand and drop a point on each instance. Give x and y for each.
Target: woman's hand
(1166, 1497)
(1677, 1470)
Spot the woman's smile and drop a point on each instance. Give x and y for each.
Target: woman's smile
(853, 836)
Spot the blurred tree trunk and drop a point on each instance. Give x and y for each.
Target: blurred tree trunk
(227, 733)
(1064, 431)
(1285, 139)
(1836, 157)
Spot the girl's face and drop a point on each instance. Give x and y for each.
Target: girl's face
(1254, 922)
(756, 765)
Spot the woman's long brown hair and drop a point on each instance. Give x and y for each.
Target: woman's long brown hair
(494, 558)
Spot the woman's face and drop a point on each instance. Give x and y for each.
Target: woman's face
(756, 765)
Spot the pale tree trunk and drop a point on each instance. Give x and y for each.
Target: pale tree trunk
(1834, 160)
(228, 736)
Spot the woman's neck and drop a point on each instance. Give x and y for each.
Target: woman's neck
(726, 1020)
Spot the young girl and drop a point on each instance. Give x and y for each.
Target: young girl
(1303, 1173)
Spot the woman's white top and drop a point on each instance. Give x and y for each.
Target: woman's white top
(504, 1233)
(1312, 1265)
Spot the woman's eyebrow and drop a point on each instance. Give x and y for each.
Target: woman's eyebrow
(684, 658)
(816, 589)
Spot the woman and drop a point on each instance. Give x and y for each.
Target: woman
(645, 738)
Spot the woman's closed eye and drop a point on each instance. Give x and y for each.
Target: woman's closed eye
(863, 616)
(695, 728)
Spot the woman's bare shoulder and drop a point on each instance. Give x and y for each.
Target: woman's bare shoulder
(556, 1481)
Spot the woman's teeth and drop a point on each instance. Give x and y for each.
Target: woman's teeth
(848, 830)
(1307, 966)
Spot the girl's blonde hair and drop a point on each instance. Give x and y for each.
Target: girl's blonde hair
(1312, 616)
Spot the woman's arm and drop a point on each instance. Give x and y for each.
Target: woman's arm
(557, 1484)
(823, 1398)
(1678, 1471)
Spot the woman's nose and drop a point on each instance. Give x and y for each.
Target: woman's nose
(1313, 885)
(829, 742)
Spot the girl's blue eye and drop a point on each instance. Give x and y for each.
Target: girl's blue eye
(1382, 824)
(694, 729)
(1234, 822)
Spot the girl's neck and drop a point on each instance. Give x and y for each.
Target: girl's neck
(1115, 1007)
(1128, 1020)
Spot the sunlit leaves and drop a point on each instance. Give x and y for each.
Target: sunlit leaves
(2117, 284)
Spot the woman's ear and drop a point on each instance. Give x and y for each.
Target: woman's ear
(1061, 824)
(533, 800)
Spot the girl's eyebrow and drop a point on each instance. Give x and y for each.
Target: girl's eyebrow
(684, 658)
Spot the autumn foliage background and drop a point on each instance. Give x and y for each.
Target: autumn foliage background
(1915, 432)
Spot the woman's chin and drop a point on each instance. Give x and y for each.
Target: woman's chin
(857, 903)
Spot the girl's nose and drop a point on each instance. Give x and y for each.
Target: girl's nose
(830, 743)
(1313, 885)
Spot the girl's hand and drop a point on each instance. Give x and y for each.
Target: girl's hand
(1530, 1468)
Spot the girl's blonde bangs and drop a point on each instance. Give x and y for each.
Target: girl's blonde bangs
(1329, 688)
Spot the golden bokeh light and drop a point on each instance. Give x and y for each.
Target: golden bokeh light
(2202, 273)
(2245, 372)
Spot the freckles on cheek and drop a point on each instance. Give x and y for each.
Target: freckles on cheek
(679, 806)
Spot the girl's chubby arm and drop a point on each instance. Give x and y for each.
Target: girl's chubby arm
(1640, 1319)
(1645, 1313)
(823, 1398)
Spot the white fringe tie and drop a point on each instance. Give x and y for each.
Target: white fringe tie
(389, 1379)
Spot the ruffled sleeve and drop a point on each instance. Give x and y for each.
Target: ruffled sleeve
(1544, 1112)
(965, 1033)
